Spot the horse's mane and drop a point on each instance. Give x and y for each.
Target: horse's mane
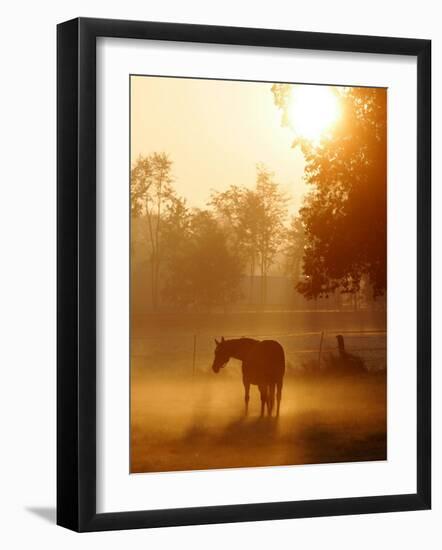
(237, 346)
(246, 339)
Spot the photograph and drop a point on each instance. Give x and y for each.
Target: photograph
(258, 273)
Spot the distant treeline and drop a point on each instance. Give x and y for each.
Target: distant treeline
(201, 255)
(335, 245)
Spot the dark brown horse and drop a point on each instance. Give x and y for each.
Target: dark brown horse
(263, 364)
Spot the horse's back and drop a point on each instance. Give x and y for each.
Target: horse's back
(274, 355)
(266, 362)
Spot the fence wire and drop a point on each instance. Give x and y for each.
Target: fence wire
(196, 349)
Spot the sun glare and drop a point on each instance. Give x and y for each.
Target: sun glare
(312, 111)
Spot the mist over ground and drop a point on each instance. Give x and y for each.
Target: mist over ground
(185, 417)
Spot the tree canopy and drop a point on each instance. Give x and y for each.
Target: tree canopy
(255, 218)
(202, 270)
(344, 214)
(151, 193)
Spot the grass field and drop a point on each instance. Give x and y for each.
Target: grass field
(185, 417)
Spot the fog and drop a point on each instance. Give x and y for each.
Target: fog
(185, 417)
(258, 211)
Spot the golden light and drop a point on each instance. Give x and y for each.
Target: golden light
(312, 110)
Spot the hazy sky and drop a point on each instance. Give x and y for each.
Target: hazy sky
(215, 132)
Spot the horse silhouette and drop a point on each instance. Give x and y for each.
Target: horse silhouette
(263, 364)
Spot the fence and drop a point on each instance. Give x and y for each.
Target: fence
(194, 351)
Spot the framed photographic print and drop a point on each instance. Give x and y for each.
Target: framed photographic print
(243, 274)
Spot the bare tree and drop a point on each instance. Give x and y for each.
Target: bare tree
(151, 192)
(271, 215)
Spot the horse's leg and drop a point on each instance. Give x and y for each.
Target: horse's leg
(246, 395)
(263, 392)
(270, 398)
(278, 396)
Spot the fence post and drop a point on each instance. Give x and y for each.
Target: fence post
(320, 349)
(194, 355)
(341, 345)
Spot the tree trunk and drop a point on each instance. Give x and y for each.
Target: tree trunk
(152, 280)
(252, 274)
(262, 281)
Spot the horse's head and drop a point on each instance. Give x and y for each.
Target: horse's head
(221, 355)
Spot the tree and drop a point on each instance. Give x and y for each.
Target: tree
(175, 227)
(236, 210)
(294, 249)
(344, 214)
(202, 271)
(254, 219)
(271, 214)
(151, 194)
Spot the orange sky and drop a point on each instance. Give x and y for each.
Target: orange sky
(215, 132)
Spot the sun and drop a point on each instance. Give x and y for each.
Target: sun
(312, 110)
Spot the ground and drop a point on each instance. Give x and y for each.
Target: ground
(185, 417)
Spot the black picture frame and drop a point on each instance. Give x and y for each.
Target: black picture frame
(76, 273)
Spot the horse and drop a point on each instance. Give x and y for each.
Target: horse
(263, 364)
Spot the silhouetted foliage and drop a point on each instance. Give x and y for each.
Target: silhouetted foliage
(196, 258)
(255, 218)
(344, 365)
(294, 249)
(344, 214)
(202, 271)
(151, 194)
